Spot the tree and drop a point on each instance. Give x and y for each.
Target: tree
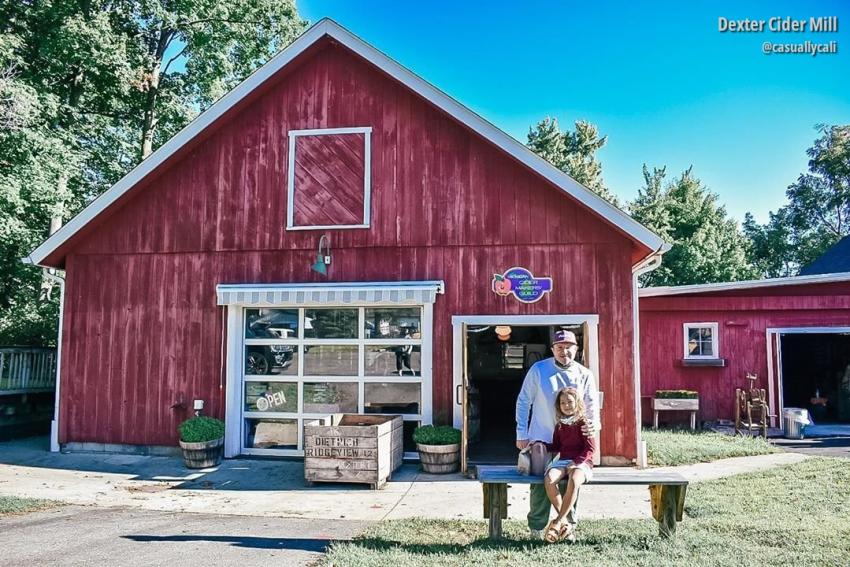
(770, 250)
(707, 244)
(818, 211)
(188, 53)
(88, 88)
(574, 153)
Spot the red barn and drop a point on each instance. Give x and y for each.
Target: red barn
(792, 333)
(336, 234)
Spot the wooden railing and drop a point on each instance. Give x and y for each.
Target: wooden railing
(27, 369)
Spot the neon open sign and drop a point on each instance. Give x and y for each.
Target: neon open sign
(522, 284)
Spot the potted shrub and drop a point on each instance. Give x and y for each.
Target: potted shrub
(202, 441)
(439, 448)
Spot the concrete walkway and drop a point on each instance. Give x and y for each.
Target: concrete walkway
(276, 488)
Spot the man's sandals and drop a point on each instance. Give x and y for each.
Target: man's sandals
(556, 532)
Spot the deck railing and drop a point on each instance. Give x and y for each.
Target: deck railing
(27, 369)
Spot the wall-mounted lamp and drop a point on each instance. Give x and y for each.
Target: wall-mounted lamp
(198, 406)
(323, 260)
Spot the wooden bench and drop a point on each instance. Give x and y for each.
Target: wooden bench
(667, 492)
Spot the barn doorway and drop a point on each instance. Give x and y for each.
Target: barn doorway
(495, 356)
(815, 371)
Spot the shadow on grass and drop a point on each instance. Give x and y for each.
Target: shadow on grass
(586, 542)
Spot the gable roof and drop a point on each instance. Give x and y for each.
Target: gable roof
(835, 259)
(748, 284)
(50, 250)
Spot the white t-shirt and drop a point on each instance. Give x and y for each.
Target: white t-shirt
(541, 384)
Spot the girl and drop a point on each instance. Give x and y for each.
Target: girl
(575, 462)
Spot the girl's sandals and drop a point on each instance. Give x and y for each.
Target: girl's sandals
(559, 532)
(554, 532)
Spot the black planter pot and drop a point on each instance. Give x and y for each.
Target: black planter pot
(203, 455)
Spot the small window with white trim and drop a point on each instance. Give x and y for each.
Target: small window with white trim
(329, 179)
(701, 341)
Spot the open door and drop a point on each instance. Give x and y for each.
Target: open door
(774, 376)
(464, 402)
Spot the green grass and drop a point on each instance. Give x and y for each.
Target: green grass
(793, 515)
(685, 447)
(15, 505)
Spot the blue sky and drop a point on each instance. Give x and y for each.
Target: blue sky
(657, 77)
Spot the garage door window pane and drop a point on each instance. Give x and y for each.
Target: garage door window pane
(271, 323)
(330, 397)
(330, 323)
(392, 323)
(271, 433)
(271, 396)
(383, 397)
(281, 360)
(396, 360)
(330, 360)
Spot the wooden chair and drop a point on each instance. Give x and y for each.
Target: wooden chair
(751, 411)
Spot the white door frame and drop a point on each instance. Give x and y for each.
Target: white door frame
(778, 332)
(460, 321)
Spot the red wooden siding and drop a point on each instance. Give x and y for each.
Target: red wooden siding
(329, 177)
(743, 317)
(142, 331)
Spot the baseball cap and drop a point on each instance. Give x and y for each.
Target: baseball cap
(565, 337)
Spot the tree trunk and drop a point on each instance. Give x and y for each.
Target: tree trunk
(150, 120)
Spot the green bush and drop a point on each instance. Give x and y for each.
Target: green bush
(677, 394)
(436, 435)
(201, 429)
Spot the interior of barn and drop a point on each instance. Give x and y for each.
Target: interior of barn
(816, 375)
(498, 358)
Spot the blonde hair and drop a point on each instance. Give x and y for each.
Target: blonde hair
(572, 392)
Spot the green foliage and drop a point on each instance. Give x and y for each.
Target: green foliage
(792, 515)
(707, 244)
(574, 153)
(676, 394)
(436, 435)
(818, 211)
(201, 429)
(86, 90)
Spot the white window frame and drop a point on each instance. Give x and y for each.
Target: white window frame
(715, 341)
(237, 376)
(367, 176)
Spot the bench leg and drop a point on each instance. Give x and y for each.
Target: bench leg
(496, 506)
(693, 421)
(669, 501)
(655, 419)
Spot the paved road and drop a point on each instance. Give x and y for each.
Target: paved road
(821, 446)
(82, 535)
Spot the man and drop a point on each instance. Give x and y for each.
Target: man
(537, 398)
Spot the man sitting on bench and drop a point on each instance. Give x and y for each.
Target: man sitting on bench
(537, 399)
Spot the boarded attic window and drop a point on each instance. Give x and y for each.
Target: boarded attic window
(329, 178)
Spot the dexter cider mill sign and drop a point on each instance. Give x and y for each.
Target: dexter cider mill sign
(522, 284)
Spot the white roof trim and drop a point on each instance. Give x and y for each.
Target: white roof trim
(328, 27)
(319, 294)
(749, 284)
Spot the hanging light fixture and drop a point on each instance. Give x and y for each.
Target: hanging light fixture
(503, 332)
(322, 260)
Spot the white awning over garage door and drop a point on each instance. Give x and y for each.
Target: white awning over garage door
(350, 293)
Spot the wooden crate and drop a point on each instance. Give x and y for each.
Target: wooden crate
(353, 448)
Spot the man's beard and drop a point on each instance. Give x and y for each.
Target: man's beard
(565, 364)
